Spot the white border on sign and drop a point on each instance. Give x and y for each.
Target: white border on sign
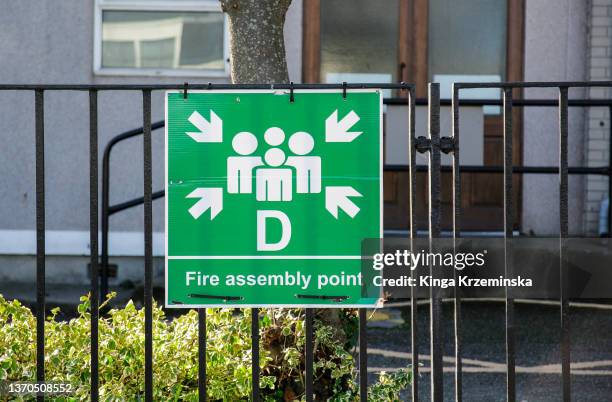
(379, 301)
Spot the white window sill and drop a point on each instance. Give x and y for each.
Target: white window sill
(141, 72)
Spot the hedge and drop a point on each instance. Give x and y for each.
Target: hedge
(175, 355)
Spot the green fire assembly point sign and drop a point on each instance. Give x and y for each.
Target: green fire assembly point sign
(268, 201)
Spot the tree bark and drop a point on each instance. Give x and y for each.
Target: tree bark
(257, 49)
(257, 56)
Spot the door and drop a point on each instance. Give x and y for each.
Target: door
(419, 41)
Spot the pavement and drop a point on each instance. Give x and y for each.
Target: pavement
(538, 366)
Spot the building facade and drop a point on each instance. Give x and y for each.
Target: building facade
(159, 41)
(597, 125)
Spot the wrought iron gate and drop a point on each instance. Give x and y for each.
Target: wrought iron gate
(433, 144)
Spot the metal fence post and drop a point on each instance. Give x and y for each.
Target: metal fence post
(255, 353)
(148, 241)
(435, 309)
(39, 107)
(363, 355)
(202, 355)
(508, 250)
(93, 238)
(413, 228)
(563, 233)
(456, 234)
(309, 354)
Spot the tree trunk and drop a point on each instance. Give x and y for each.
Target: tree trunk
(257, 56)
(257, 50)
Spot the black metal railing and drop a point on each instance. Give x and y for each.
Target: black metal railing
(146, 91)
(563, 171)
(108, 210)
(433, 146)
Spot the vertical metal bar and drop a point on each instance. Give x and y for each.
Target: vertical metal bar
(363, 355)
(105, 223)
(93, 238)
(508, 258)
(39, 109)
(435, 309)
(456, 235)
(413, 227)
(255, 354)
(309, 351)
(563, 233)
(148, 241)
(202, 354)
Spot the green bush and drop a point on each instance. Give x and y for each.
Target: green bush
(175, 362)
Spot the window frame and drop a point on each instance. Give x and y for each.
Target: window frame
(156, 5)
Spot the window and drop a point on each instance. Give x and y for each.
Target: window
(359, 41)
(467, 43)
(160, 37)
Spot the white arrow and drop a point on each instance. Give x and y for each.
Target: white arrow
(338, 131)
(209, 198)
(337, 198)
(209, 131)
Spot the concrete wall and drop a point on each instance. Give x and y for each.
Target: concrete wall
(293, 40)
(555, 50)
(52, 42)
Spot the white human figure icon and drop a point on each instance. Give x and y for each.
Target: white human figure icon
(307, 168)
(274, 183)
(240, 168)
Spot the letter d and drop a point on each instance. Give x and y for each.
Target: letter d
(262, 245)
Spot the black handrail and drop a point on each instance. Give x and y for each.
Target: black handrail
(108, 210)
